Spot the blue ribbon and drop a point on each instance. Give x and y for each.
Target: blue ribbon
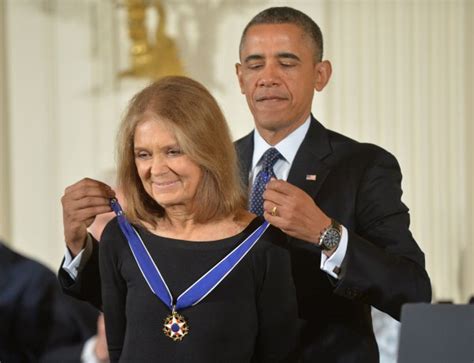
(203, 286)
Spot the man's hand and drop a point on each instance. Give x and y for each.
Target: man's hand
(296, 213)
(82, 202)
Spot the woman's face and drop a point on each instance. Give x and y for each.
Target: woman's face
(170, 177)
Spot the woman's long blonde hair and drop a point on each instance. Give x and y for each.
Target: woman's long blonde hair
(202, 134)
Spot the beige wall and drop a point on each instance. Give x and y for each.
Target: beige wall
(402, 79)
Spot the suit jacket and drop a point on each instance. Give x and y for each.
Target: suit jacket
(359, 185)
(37, 322)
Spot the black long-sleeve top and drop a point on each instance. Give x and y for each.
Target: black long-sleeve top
(250, 317)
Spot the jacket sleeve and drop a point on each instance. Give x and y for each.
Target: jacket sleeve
(87, 285)
(383, 265)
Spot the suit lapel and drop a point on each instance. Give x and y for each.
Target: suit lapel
(5, 261)
(244, 149)
(309, 160)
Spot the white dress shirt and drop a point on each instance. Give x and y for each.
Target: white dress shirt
(73, 265)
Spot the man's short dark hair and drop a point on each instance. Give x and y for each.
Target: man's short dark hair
(287, 15)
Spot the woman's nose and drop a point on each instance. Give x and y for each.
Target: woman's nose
(159, 165)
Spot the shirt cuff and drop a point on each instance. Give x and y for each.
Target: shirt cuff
(88, 352)
(332, 264)
(73, 265)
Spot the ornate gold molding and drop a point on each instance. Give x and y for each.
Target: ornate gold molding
(150, 60)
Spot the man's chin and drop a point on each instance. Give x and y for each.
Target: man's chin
(270, 122)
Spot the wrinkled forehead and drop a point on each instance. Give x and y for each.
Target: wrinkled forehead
(150, 115)
(147, 119)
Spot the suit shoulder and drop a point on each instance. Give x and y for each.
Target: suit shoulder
(354, 149)
(34, 267)
(27, 271)
(244, 139)
(244, 143)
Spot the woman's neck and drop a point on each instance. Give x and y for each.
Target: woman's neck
(183, 226)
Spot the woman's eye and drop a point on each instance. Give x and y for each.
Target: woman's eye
(174, 152)
(141, 155)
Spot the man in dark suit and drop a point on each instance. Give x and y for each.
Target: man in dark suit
(333, 185)
(339, 201)
(37, 322)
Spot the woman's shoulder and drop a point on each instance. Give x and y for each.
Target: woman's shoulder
(271, 241)
(110, 229)
(272, 237)
(113, 237)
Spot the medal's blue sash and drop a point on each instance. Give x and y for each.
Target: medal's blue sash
(203, 286)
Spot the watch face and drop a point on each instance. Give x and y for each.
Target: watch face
(331, 238)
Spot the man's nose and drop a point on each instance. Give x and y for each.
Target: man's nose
(269, 76)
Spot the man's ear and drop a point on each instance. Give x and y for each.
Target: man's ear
(323, 74)
(238, 72)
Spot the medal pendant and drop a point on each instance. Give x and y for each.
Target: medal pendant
(175, 326)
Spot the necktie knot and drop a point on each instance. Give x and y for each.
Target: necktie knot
(269, 158)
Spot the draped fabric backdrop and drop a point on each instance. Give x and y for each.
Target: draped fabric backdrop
(402, 78)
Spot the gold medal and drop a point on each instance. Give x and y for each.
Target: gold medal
(175, 326)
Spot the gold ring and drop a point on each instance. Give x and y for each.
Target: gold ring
(274, 211)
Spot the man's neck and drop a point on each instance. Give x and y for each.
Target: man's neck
(274, 136)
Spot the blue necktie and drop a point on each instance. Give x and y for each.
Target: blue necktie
(267, 162)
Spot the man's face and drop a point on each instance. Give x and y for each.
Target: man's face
(278, 76)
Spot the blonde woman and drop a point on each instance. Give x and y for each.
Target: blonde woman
(188, 275)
